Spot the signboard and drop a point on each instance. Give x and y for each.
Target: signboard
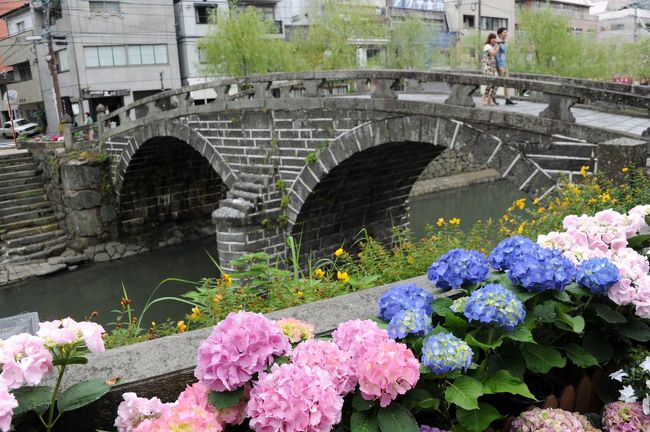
(424, 5)
(23, 323)
(89, 94)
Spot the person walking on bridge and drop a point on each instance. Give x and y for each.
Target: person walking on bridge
(502, 62)
(489, 67)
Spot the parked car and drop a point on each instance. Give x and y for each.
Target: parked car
(22, 126)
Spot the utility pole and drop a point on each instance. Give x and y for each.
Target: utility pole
(52, 63)
(478, 23)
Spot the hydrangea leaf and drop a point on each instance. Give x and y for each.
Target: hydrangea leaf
(380, 323)
(507, 358)
(580, 356)
(575, 323)
(577, 290)
(441, 306)
(503, 382)
(608, 314)
(486, 339)
(521, 334)
(478, 420)
(396, 418)
(222, 400)
(524, 295)
(69, 360)
(542, 359)
(81, 394)
(362, 421)
(360, 404)
(455, 324)
(636, 330)
(639, 241)
(30, 398)
(545, 312)
(562, 296)
(421, 398)
(596, 344)
(464, 392)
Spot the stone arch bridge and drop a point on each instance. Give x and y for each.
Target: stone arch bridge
(321, 155)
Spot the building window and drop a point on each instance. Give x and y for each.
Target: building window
(62, 60)
(203, 13)
(20, 27)
(202, 56)
(24, 70)
(618, 26)
(489, 23)
(120, 55)
(104, 6)
(468, 21)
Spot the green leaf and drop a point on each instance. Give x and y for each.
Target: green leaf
(396, 418)
(575, 323)
(520, 334)
(562, 296)
(381, 323)
(456, 325)
(545, 312)
(508, 358)
(479, 419)
(464, 392)
(598, 345)
(69, 361)
(577, 290)
(360, 404)
(503, 382)
(30, 398)
(222, 400)
(636, 330)
(639, 241)
(542, 359)
(441, 306)
(81, 394)
(421, 398)
(608, 314)
(363, 422)
(523, 295)
(485, 338)
(579, 356)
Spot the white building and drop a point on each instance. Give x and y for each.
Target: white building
(627, 24)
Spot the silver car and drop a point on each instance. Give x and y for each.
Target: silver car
(22, 126)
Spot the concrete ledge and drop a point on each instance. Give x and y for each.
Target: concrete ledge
(440, 184)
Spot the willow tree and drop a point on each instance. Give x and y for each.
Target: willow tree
(411, 43)
(241, 42)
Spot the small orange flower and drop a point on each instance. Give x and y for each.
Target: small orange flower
(227, 279)
(181, 327)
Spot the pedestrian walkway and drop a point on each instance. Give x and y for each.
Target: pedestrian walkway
(615, 122)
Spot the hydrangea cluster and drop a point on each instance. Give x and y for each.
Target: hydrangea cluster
(241, 345)
(410, 321)
(294, 398)
(68, 331)
(296, 330)
(458, 267)
(357, 336)
(597, 274)
(388, 370)
(197, 394)
(551, 420)
(444, 353)
(625, 417)
(24, 360)
(330, 358)
(542, 270)
(510, 250)
(403, 297)
(7, 404)
(425, 428)
(182, 417)
(494, 304)
(133, 410)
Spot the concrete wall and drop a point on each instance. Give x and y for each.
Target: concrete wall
(628, 25)
(576, 10)
(489, 8)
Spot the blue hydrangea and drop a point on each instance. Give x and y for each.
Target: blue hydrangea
(496, 305)
(510, 250)
(410, 321)
(458, 267)
(444, 352)
(597, 274)
(542, 269)
(403, 297)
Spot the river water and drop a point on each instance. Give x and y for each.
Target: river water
(98, 287)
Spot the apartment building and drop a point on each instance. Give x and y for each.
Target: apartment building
(576, 10)
(622, 21)
(464, 16)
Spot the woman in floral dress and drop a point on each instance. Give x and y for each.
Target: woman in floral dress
(488, 63)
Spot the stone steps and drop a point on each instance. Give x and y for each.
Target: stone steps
(19, 166)
(27, 215)
(8, 211)
(261, 179)
(27, 232)
(30, 173)
(260, 169)
(22, 201)
(34, 239)
(45, 220)
(20, 193)
(248, 196)
(249, 187)
(15, 159)
(17, 184)
(37, 251)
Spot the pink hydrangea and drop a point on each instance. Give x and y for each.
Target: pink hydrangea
(625, 417)
(241, 345)
(182, 418)
(331, 359)
(550, 420)
(7, 404)
(133, 410)
(24, 359)
(69, 331)
(296, 330)
(387, 370)
(294, 398)
(637, 215)
(197, 394)
(357, 336)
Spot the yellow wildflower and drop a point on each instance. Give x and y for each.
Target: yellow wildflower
(227, 279)
(520, 203)
(217, 298)
(605, 197)
(343, 276)
(153, 323)
(454, 221)
(300, 294)
(536, 201)
(520, 229)
(625, 169)
(319, 273)
(584, 170)
(592, 201)
(196, 313)
(181, 327)
(410, 259)
(339, 252)
(440, 222)
(541, 210)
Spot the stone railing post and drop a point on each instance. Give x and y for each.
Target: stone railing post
(559, 108)
(67, 136)
(619, 153)
(101, 119)
(461, 94)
